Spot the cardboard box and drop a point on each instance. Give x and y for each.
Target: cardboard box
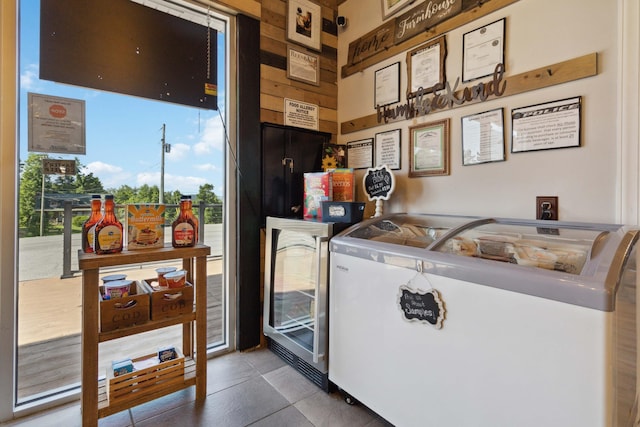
(169, 302)
(344, 189)
(145, 226)
(318, 187)
(127, 311)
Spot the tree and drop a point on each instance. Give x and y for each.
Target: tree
(213, 214)
(30, 188)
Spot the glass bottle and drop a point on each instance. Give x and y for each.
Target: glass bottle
(109, 232)
(184, 230)
(89, 226)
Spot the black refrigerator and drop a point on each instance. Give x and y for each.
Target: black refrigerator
(287, 153)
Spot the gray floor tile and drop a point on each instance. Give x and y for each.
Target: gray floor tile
(330, 410)
(288, 417)
(229, 370)
(264, 360)
(67, 416)
(236, 406)
(291, 384)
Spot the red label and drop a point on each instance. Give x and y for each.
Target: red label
(57, 111)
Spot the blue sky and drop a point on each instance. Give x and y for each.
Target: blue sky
(123, 133)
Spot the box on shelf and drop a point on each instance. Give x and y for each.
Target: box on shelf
(150, 379)
(145, 226)
(344, 189)
(350, 212)
(318, 187)
(127, 311)
(169, 302)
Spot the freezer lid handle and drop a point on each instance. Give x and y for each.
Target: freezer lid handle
(619, 261)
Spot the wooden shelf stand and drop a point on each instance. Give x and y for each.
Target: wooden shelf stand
(194, 260)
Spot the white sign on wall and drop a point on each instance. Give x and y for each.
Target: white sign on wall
(300, 114)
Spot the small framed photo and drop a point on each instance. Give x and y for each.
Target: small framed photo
(390, 7)
(387, 85)
(483, 137)
(303, 66)
(483, 49)
(360, 154)
(425, 67)
(304, 23)
(388, 149)
(546, 126)
(429, 149)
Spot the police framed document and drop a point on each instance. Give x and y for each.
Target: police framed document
(546, 126)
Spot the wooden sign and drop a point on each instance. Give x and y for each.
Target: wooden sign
(371, 43)
(423, 17)
(379, 183)
(421, 306)
(58, 167)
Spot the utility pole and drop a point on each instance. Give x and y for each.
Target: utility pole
(166, 148)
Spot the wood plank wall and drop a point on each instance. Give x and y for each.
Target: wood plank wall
(274, 84)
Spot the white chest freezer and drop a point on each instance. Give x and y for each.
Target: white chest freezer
(528, 323)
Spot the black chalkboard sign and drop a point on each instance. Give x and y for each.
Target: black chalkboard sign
(425, 307)
(379, 183)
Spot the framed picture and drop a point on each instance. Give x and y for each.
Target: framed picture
(360, 154)
(483, 49)
(429, 149)
(304, 23)
(387, 149)
(546, 126)
(425, 67)
(303, 66)
(390, 7)
(483, 137)
(387, 85)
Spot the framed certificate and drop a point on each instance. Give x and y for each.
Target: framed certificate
(387, 85)
(483, 49)
(303, 66)
(425, 67)
(546, 126)
(429, 149)
(360, 154)
(483, 137)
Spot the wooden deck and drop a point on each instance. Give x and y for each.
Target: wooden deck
(49, 350)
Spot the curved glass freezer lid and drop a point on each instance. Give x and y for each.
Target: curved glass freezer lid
(415, 230)
(561, 248)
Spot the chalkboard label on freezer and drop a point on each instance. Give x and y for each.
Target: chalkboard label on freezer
(379, 183)
(421, 306)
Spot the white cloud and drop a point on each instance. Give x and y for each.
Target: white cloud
(206, 167)
(98, 168)
(111, 176)
(212, 137)
(178, 151)
(29, 79)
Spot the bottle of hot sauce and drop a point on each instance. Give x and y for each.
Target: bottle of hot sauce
(89, 226)
(184, 230)
(108, 232)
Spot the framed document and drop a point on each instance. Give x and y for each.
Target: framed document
(389, 7)
(303, 66)
(483, 49)
(483, 137)
(387, 149)
(429, 149)
(546, 126)
(425, 67)
(304, 23)
(56, 125)
(360, 154)
(387, 85)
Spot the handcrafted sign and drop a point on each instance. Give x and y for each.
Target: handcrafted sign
(421, 306)
(371, 43)
(423, 17)
(58, 167)
(444, 97)
(379, 183)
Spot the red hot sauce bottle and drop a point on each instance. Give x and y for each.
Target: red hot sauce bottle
(89, 226)
(109, 232)
(184, 230)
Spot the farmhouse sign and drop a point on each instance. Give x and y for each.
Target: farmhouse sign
(423, 17)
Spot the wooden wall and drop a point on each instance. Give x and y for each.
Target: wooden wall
(274, 84)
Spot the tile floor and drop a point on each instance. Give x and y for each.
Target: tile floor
(255, 389)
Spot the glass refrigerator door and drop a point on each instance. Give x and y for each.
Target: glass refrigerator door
(295, 274)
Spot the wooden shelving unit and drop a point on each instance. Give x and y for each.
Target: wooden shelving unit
(95, 404)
